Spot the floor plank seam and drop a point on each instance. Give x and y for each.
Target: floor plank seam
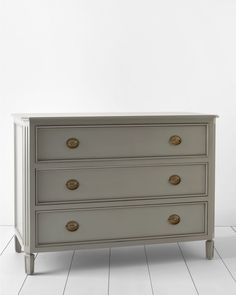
(109, 272)
(36, 255)
(72, 258)
(225, 264)
(12, 225)
(182, 254)
(223, 225)
(7, 245)
(23, 283)
(149, 273)
(233, 229)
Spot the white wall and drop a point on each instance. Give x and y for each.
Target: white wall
(120, 55)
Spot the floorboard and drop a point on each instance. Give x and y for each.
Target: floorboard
(209, 276)
(225, 244)
(129, 272)
(6, 233)
(89, 273)
(12, 274)
(166, 265)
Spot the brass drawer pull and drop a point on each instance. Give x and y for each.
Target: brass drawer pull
(174, 179)
(175, 140)
(72, 225)
(72, 143)
(72, 184)
(174, 219)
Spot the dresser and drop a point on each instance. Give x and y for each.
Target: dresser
(103, 180)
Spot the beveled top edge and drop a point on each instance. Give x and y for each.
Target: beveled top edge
(26, 116)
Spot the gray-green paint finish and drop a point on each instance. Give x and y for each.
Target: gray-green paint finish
(117, 223)
(99, 184)
(117, 141)
(30, 165)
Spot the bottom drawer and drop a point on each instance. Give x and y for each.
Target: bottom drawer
(119, 223)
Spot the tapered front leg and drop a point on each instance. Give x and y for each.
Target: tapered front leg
(17, 244)
(29, 263)
(209, 249)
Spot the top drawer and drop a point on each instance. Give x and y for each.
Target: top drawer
(119, 141)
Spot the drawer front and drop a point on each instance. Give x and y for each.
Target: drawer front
(120, 223)
(89, 184)
(111, 141)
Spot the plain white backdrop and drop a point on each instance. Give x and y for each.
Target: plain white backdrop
(120, 55)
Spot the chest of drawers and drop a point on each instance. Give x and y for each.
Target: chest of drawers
(104, 180)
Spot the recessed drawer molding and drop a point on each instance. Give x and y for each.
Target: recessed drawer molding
(95, 142)
(88, 184)
(121, 223)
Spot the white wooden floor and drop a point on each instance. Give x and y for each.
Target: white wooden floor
(151, 270)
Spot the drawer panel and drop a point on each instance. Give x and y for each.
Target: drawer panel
(117, 141)
(90, 184)
(120, 223)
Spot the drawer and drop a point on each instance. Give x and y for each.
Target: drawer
(118, 141)
(94, 184)
(120, 223)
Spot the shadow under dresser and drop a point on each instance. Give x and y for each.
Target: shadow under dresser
(103, 180)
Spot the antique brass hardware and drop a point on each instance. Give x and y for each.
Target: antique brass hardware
(174, 219)
(174, 179)
(72, 184)
(72, 225)
(72, 143)
(175, 140)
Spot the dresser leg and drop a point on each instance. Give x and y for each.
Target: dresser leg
(209, 249)
(29, 263)
(17, 244)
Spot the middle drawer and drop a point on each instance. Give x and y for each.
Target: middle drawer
(118, 183)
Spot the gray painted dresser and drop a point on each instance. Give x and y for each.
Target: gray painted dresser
(102, 180)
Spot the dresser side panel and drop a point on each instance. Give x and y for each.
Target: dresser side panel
(27, 183)
(22, 184)
(18, 162)
(211, 177)
(31, 188)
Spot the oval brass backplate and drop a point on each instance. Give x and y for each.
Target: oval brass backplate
(72, 225)
(174, 219)
(174, 179)
(72, 143)
(72, 184)
(175, 140)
